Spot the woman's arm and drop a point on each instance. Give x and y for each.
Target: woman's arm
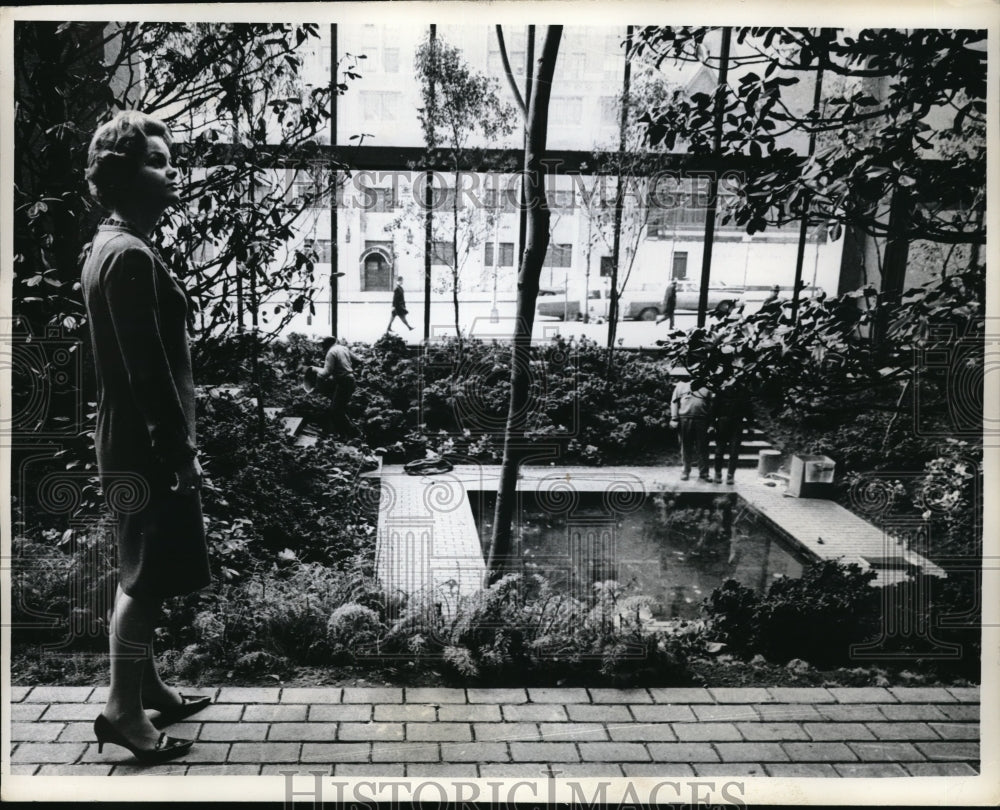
(129, 286)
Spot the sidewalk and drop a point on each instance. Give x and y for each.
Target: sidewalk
(469, 733)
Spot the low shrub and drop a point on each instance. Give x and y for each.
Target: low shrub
(63, 586)
(302, 614)
(263, 494)
(409, 402)
(833, 616)
(936, 622)
(521, 631)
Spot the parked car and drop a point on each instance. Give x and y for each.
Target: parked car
(639, 305)
(646, 305)
(569, 306)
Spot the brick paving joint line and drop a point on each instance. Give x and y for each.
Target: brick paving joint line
(837, 731)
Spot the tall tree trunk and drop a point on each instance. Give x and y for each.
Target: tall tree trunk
(713, 183)
(428, 218)
(535, 247)
(804, 224)
(619, 202)
(454, 258)
(334, 212)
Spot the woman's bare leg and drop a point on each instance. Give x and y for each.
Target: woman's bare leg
(155, 693)
(131, 654)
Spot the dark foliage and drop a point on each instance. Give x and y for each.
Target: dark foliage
(833, 616)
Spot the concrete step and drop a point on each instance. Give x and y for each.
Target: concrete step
(753, 442)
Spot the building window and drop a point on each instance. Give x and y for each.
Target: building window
(576, 64)
(506, 255)
(614, 53)
(675, 208)
(390, 60)
(568, 110)
(376, 268)
(561, 200)
(376, 274)
(310, 192)
(494, 62)
(321, 247)
(376, 106)
(507, 194)
(606, 266)
(443, 253)
(442, 199)
(680, 268)
(559, 256)
(384, 202)
(609, 110)
(371, 106)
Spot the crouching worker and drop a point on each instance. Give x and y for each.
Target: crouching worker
(336, 380)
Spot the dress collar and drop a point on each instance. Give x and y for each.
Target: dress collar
(120, 225)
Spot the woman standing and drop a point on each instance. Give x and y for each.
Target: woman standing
(145, 425)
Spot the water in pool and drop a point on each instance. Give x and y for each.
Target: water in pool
(675, 548)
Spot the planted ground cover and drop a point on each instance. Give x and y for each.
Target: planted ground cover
(293, 531)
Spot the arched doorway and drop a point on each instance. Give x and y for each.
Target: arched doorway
(376, 269)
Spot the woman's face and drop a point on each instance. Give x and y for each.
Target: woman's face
(156, 180)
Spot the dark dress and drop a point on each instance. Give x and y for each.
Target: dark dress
(145, 414)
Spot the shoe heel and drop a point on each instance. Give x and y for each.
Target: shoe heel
(99, 733)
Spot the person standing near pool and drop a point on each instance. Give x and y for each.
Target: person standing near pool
(145, 433)
(399, 309)
(690, 410)
(731, 412)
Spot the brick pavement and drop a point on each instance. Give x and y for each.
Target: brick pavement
(864, 732)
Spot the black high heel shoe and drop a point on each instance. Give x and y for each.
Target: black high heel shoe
(166, 748)
(190, 704)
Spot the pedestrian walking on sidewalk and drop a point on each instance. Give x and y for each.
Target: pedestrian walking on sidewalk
(772, 297)
(399, 309)
(669, 304)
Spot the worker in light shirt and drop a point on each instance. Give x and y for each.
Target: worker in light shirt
(691, 410)
(336, 380)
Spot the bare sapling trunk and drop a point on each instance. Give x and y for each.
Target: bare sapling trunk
(529, 272)
(454, 259)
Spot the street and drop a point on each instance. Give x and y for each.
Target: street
(366, 322)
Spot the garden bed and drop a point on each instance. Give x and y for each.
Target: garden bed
(715, 671)
(292, 533)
